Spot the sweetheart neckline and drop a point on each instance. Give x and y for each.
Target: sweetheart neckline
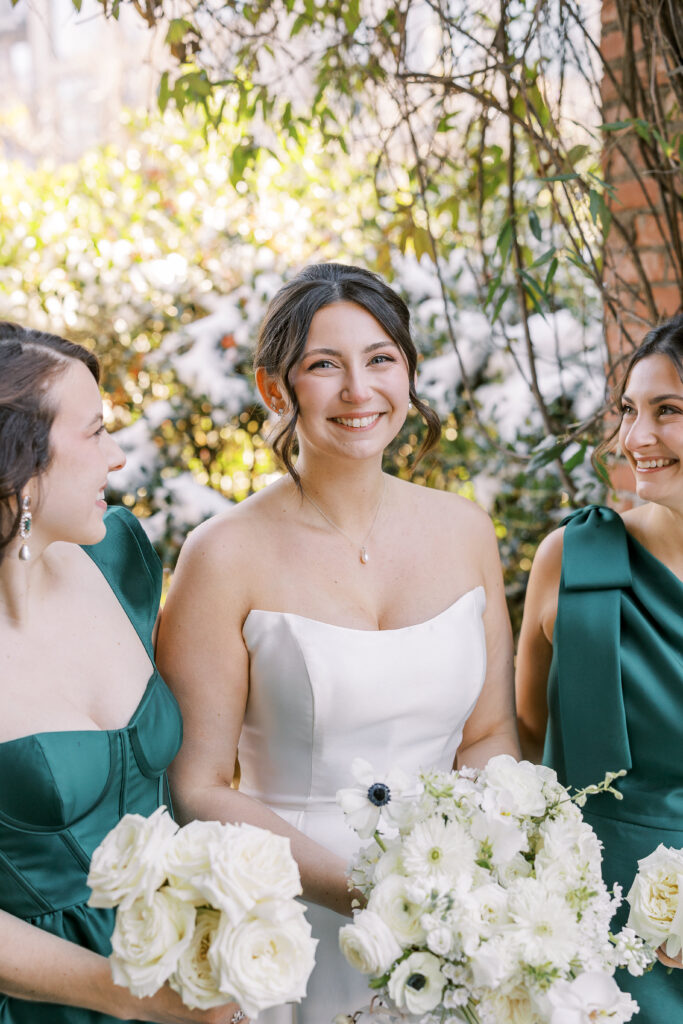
(103, 732)
(357, 629)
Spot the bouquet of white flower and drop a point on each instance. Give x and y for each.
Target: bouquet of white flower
(656, 899)
(208, 908)
(485, 899)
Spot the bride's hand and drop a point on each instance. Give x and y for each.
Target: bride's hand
(669, 961)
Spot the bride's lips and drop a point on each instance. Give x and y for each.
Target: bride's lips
(356, 423)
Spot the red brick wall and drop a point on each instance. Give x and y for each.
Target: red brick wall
(641, 277)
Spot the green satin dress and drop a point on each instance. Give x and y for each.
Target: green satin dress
(615, 696)
(61, 792)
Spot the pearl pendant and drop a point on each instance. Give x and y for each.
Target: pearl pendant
(24, 553)
(364, 556)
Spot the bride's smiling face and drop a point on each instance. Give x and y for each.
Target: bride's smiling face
(351, 383)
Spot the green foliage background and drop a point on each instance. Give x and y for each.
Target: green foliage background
(129, 247)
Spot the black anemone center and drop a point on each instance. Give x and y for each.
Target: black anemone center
(416, 981)
(379, 794)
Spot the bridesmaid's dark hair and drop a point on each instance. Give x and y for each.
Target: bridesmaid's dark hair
(285, 328)
(29, 363)
(664, 340)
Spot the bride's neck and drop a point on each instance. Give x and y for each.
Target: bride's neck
(348, 493)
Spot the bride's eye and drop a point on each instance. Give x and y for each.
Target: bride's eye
(383, 357)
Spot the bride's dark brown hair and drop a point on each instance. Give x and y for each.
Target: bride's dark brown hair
(285, 328)
(29, 363)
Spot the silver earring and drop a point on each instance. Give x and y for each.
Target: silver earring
(410, 405)
(25, 528)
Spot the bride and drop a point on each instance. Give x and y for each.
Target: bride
(339, 613)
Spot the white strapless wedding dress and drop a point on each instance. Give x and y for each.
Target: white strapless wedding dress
(321, 695)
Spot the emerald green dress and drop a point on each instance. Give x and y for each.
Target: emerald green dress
(62, 792)
(615, 697)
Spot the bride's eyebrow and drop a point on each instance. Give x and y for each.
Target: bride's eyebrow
(335, 352)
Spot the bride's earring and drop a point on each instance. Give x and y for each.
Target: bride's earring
(25, 528)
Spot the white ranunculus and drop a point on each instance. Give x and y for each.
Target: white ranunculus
(148, 940)
(368, 944)
(513, 787)
(656, 899)
(248, 866)
(189, 857)
(131, 860)
(592, 998)
(416, 984)
(514, 1006)
(262, 964)
(390, 900)
(193, 978)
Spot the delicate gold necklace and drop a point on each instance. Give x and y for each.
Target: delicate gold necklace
(363, 553)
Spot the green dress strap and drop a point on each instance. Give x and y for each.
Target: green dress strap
(595, 566)
(132, 568)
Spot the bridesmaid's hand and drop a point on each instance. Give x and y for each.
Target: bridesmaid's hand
(667, 960)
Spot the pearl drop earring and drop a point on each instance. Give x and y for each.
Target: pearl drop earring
(25, 524)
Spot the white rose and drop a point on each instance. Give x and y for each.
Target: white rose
(247, 866)
(655, 913)
(131, 860)
(188, 858)
(593, 996)
(148, 940)
(512, 787)
(416, 984)
(368, 944)
(193, 978)
(390, 900)
(262, 964)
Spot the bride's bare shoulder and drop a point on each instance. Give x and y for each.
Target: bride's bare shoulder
(234, 534)
(446, 508)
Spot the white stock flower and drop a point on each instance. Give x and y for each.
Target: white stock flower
(148, 940)
(189, 857)
(513, 787)
(390, 900)
(369, 944)
(131, 860)
(193, 978)
(435, 847)
(592, 998)
(416, 984)
(656, 899)
(378, 796)
(263, 963)
(439, 940)
(248, 866)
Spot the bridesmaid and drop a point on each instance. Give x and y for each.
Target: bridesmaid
(87, 725)
(600, 662)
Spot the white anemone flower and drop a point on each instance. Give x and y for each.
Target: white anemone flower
(376, 796)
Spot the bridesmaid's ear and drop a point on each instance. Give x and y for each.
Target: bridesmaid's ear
(271, 391)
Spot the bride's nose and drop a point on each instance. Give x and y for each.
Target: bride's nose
(356, 387)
